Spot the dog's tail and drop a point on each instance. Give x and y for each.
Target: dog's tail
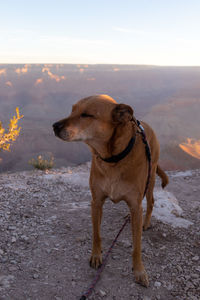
(163, 176)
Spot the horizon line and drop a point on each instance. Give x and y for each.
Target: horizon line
(93, 64)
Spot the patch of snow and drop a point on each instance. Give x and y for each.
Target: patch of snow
(182, 173)
(167, 210)
(166, 206)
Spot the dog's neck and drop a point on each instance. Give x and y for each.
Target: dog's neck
(117, 142)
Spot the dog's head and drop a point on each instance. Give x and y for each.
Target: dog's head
(91, 118)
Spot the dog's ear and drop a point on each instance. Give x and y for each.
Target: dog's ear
(122, 113)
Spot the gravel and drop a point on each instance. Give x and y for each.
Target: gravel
(45, 241)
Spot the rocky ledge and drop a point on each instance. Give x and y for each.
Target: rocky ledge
(45, 239)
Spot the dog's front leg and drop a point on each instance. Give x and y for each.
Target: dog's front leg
(96, 211)
(136, 223)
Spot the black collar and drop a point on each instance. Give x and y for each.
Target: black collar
(121, 155)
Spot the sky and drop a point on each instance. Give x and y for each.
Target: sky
(153, 32)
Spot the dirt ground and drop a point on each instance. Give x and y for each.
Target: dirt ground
(45, 241)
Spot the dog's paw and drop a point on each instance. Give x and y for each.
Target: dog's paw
(95, 261)
(146, 225)
(141, 278)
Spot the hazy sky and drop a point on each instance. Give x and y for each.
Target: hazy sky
(161, 32)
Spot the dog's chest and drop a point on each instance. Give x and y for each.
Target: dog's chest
(114, 187)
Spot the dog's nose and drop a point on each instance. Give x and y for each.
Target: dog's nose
(57, 127)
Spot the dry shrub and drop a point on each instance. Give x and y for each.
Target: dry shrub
(42, 163)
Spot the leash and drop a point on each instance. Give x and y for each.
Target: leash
(101, 268)
(148, 154)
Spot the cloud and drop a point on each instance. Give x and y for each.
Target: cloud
(188, 42)
(2, 72)
(129, 30)
(160, 36)
(69, 41)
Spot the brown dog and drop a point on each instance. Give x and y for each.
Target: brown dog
(108, 127)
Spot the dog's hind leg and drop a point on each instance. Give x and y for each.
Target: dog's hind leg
(96, 211)
(150, 199)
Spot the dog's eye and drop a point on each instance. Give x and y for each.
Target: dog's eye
(84, 115)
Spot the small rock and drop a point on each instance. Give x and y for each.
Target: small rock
(170, 286)
(13, 240)
(13, 262)
(11, 227)
(175, 212)
(127, 243)
(179, 268)
(115, 257)
(76, 257)
(163, 248)
(195, 258)
(125, 273)
(146, 298)
(81, 239)
(73, 283)
(189, 285)
(102, 293)
(29, 182)
(13, 268)
(195, 276)
(4, 259)
(198, 268)
(157, 284)
(24, 237)
(35, 276)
